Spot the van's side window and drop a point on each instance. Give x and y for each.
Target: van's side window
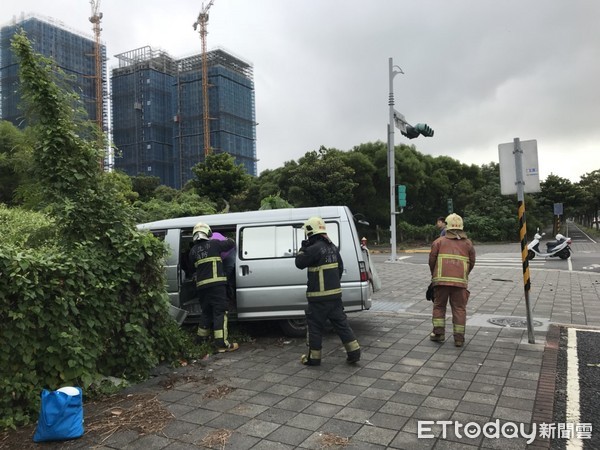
(159, 234)
(281, 241)
(267, 242)
(333, 231)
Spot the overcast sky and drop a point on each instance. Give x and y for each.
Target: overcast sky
(479, 72)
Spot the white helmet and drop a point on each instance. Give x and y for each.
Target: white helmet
(314, 225)
(454, 222)
(201, 231)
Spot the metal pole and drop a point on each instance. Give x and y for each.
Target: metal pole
(392, 169)
(518, 152)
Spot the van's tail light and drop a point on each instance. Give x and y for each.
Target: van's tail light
(363, 271)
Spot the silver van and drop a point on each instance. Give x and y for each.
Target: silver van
(268, 286)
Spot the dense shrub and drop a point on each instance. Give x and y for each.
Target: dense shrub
(82, 291)
(26, 228)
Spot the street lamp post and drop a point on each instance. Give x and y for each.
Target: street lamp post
(394, 70)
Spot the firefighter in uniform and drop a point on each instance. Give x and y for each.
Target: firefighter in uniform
(324, 292)
(211, 283)
(451, 259)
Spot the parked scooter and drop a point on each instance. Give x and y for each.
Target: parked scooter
(561, 247)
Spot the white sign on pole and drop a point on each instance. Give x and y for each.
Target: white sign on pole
(400, 121)
(508, 171)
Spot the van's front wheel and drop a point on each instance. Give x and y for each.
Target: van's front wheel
(293, 327)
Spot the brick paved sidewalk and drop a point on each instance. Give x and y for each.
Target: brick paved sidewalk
(268, 400)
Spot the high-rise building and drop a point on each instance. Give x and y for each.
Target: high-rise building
(157, 113)
(71, 51)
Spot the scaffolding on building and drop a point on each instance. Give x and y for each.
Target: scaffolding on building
(69, 48)
(148, 58)
(145, 66)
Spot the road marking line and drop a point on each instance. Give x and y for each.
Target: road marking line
(570, 264)
(587, 236)
(572, 407)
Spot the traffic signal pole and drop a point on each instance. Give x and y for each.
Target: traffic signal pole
(411, 132)
(394, 70)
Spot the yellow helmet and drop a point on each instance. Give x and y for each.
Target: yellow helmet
(454, 222)
(201, 231)
(314, 225)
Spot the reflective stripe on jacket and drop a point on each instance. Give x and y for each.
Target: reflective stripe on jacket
(325, 268)
(205, 256)
(451, 260)
(322, 273)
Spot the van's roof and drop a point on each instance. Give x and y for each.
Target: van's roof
(289, 214)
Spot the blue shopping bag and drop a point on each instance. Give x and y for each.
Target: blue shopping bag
(61, 415)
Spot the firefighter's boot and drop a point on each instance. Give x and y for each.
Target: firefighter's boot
(352, 351)
(353, 357)
(202, 336)
(437, 337)
(312, 359)
(229, 347)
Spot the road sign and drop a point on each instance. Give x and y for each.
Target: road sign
(401, 195)
(400, 121)
(558, 209)
(508, 172)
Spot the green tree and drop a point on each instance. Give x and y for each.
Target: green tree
(145, 186)
(185, 203)
(165, 193)
(590, 185)
(491, 216)
(365, 191)
(258, 188)
(555, 189)
(321, 178)
(15, 161)
(122, 182)
(274, 202)
(219, 178)
(376, 208)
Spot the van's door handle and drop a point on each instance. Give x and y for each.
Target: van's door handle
(245, 270)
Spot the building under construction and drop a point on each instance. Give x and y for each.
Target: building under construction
(71, 51)
(157, 113)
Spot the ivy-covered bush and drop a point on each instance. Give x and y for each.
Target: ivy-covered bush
(416, 233)
(82, 291)
(26, 228)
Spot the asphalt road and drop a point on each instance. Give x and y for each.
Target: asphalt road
(584, 254)
(577, 395)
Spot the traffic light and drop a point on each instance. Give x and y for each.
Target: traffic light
(411, 132)
(424, 129)
(401, 195)
(414, 132)
(450, 206)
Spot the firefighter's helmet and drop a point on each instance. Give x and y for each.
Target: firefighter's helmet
(454, 222)
(201, 231)
(314, 225)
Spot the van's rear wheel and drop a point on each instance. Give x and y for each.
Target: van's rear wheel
(293, 327)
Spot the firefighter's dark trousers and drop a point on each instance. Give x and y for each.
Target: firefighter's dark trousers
(458, 297)
(317, 314)
(213, 301)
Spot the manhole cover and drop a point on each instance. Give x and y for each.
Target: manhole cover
(512, 322)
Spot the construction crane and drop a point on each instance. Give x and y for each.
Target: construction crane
(95, 19)
(202, 23)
